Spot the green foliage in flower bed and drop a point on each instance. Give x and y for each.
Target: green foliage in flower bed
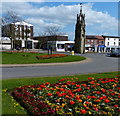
(30, 58)
(9, 105)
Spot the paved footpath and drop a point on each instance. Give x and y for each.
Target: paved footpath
(95, 63)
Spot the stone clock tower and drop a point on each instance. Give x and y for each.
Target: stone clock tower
(80, 33)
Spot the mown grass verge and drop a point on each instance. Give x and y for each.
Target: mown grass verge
(10, 106)
(30, 58)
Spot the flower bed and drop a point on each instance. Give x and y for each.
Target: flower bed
(71, 97)
(51, 56)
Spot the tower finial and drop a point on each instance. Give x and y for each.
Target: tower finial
(80, 7)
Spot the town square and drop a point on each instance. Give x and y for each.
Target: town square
(60, 58)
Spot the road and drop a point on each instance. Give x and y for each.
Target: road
(98, 63)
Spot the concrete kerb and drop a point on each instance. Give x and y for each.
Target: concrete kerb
(44, 64)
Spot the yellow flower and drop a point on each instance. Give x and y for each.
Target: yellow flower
(63, 105)
(16, 111)
(90, 112)
(17, 104)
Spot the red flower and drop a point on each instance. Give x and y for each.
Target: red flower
(57, 92)
(104, 97)
(98, 100)
(79, 89)
(49, 94)
(98, 92)
(77, 97)
(101, 98)
(88, 87)
(106, 100)
(103, 90)
(77, 85)
(72, 102)
(119, 88)
(47, 83)
(94, 97)
(90, 78)
(83, 111)
(88, 97)
(116, 106)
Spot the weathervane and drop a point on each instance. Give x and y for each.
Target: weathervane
(80, 7)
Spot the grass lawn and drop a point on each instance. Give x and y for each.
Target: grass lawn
(29, 58)
(10, 106)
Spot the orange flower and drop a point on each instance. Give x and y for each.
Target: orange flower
(67, 96)
(98, 100)
(80, 100)
(39, 88)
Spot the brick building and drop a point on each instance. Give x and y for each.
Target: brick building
(95, 43)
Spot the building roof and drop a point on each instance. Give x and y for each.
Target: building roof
(4, 38)
(94, 37)
(23, 23)
(110, 36)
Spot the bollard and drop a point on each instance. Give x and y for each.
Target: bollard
(72, 52)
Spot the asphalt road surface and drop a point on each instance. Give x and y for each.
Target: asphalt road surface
(98, 63)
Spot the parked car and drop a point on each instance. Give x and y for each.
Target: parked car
(115, 53)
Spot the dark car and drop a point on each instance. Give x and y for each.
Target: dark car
(115, 53)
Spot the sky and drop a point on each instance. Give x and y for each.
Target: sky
(101, 17)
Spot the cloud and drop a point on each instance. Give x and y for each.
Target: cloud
(63, 16)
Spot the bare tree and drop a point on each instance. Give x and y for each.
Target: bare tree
(8, 26)
(41, 41)
(52, 31)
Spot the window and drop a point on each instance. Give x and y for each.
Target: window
(102, 42)
(60, 46)
(88, 41)
(119, 43)
(114, 39)
(108, 38)
(91, 40)
(108, 43)
(114, 43)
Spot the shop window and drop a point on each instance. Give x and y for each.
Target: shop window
(60, 46)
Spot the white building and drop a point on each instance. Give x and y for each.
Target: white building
(5, 43)
(61, 46)
(112, 42)
(21, 31)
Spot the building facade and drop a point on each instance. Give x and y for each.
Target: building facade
(112, 42)
(19, 33)
(95, 43)
(79, 46)
(42, 41)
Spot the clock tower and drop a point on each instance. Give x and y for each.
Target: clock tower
(80, 33)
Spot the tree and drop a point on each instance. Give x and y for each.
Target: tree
(41, 40)
(52, 31)
(8, 26)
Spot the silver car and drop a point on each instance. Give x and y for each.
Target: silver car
(115, 53)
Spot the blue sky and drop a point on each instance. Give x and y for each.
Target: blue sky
(101, 17)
